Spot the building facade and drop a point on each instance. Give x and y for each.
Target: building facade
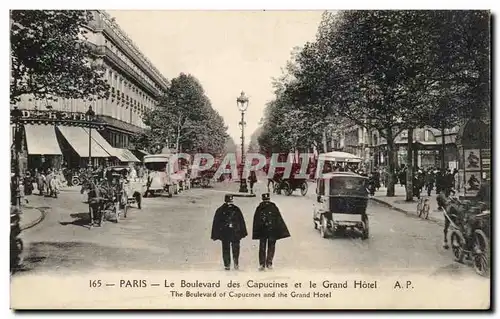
(135, 86)
(372, 148)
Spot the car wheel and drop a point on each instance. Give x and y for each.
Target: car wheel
(366, 229)
(323, 228)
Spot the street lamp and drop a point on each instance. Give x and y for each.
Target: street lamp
(90, 116)
(16, 115)
(242, 103)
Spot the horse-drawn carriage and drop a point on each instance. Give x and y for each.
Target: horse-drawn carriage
(288, 185)
(342, 199)
(132, 188)
(107, 198)
(203, 178)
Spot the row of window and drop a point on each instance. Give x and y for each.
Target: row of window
(125, 92)
(131, 64)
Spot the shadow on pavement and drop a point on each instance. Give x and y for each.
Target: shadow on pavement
(49, 256)
(81, 219)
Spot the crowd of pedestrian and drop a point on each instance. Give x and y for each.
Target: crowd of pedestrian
(430, 179)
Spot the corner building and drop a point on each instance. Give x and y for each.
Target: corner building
(56, 132)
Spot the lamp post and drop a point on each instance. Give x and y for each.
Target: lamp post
(16, 115)
(90, 116)
(242, 103)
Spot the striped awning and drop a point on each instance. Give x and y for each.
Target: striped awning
(42, 140)
(126, 155)
(78, 138)
(99, 139)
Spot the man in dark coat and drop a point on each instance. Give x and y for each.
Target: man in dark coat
(229, 227)
(252, 180)
(268, 227)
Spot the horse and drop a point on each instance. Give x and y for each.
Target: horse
(97, 199)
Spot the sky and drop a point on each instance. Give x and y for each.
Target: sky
(227, 51)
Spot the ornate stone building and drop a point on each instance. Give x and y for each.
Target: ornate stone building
(57, 131)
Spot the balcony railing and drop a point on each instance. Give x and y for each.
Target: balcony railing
(119, 63)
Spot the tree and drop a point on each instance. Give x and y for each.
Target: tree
(462, 66)
(50, 56)
(253, 146)
(185, 120)
(377, 69)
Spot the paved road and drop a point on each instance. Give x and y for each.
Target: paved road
(174, 234)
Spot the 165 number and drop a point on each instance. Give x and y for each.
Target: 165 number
(95, 283)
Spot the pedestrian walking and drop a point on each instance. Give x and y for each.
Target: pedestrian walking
(268, 227)
(429, 181)
(229, 227)
(252, 179)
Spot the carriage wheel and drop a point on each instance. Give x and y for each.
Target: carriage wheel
(75, 181)
(457, 245)
(366, 228)
(303, 188)
(323, 227)
(276, 188)
(287, 188)
(116, 211)
(481, 253)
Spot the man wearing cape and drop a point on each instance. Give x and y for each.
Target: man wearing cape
(268, 227)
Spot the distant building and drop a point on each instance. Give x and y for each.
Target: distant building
(356, 140)
(56, 132)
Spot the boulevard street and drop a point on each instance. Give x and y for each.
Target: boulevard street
(174, 234)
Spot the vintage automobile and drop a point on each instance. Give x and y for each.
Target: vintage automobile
(341, 204)
(160, 175)
(132, 189)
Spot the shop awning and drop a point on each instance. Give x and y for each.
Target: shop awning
(126, 156)
(101, 141)
(42, 140)
(142, 152)
(78, 138)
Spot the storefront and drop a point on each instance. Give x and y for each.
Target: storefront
(56, 139)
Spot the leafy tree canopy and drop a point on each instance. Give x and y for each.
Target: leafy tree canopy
(50, 56)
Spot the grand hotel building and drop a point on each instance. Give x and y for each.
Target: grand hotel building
(56, 132)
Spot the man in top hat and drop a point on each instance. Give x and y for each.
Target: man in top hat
(268, 227)
(229, 227)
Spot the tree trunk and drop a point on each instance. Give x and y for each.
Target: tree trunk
(325, 149)
(370, 149)
(443, 148)
(390, 161)
(409, 167)
(178, 139)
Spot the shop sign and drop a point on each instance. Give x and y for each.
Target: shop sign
(54, 115)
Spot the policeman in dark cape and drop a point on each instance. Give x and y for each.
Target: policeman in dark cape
(229, 227)
(268, 227)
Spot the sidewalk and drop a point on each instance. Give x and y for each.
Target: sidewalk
(399, 203)
(33, 212)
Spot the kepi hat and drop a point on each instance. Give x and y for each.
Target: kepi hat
(228, 198)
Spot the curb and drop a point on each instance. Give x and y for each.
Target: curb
(36, 221)
(431, 219)
(242, 195)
